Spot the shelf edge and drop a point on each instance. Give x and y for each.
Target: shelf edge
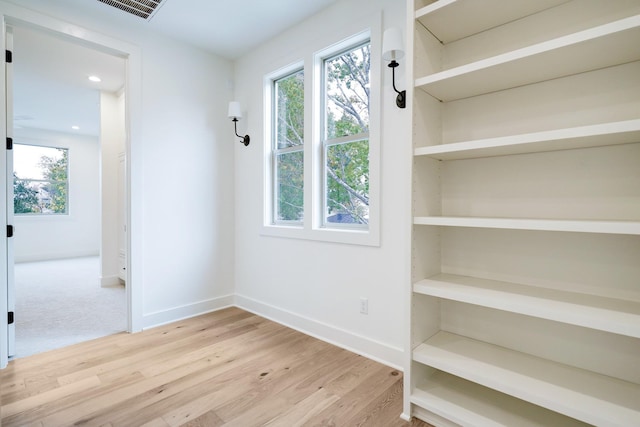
(578, 226)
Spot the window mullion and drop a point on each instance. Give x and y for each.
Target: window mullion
(291, 149)
(349, 138)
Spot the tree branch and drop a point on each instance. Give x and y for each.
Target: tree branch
(364, 199)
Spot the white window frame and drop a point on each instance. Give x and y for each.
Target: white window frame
(275, 151)
(329, 142)
(271, 151)
(66, 213)
(312, 227)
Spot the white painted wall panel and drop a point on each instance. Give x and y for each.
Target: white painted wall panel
(182, 167)
(41, 237)
(317, 281)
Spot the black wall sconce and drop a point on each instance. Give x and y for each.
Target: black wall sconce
(235, 114)
(392, 49)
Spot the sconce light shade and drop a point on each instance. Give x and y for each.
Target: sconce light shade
(235, 110)
(235, 114)
(393, 49)
(392, 45)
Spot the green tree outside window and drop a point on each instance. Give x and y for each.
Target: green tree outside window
(289, 154)
(40, 180)
(346, 95)
(347, 78)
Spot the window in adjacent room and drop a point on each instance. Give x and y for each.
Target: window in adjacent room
(40, 180)
(345, 145)
(288, 148)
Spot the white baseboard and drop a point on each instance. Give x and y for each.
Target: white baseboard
(34, 257)
(109, 281)
(186, 311)
(380, 352)
(383, 353)
(432, 418)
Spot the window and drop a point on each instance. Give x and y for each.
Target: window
(40, 180)
(322, 142)
(346, 93)
(288, 146)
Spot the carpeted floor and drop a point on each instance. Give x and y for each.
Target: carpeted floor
(59, 303)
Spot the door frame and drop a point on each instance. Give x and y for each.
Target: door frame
(14, 15)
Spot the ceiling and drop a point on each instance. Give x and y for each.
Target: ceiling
(55, 94)
(229, 28)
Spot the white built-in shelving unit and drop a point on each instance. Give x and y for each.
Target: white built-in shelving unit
(525, 294)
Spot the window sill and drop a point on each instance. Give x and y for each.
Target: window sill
(41, 218)
(330, 235)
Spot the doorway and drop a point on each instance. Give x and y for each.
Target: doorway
(68, 258)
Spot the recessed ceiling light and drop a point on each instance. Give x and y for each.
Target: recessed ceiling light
(74, 127)
(95, 79)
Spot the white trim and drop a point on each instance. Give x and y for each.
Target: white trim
(347, 139)
(187, 311)
(374, 350)
(4, 288)
(319, 175)
(431, 418)
(348, 236)
(109, 281)
(374, 137)
(17, 141)
(52, 256)
(276, 152)
(268, 162)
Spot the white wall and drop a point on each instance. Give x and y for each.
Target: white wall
(43, 237)
(186, 169)
(112, 143)
(188, 190)
(316, 286)
(187, 197)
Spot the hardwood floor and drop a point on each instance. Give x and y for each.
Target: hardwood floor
(228, 368)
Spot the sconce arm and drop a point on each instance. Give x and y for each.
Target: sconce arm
(401, 98)
(244, 139)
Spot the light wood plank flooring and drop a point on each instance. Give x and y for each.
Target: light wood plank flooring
(228, 368)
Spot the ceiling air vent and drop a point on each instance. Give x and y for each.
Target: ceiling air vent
(142, 8)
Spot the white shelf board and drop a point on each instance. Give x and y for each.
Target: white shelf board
(605, 314)
(580, 226)
(580, 394)
(450, 20)
(469, 404)
(599, 47)
(598, 135)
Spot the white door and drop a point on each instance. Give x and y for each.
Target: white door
(11, 295)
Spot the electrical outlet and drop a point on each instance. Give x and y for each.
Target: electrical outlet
(364, 305)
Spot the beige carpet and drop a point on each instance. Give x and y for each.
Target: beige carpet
(59, 303)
